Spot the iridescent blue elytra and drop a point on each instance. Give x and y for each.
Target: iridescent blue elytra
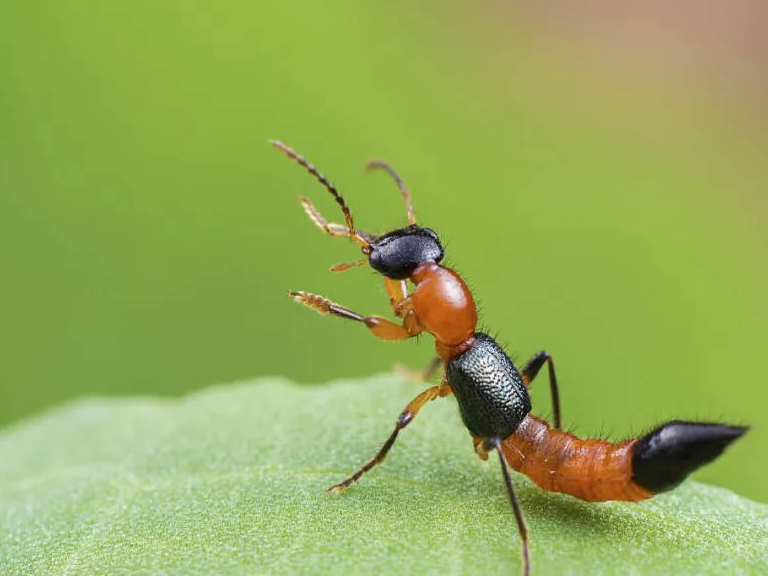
(492, 397)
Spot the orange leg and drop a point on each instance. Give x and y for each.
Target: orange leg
(402, 306)
(379, 326)
(480, 447)
(398, 293)
(406, 416)
(419, 376)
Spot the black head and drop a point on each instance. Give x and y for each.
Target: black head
(396, 254)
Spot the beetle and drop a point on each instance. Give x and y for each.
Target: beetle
(492, 393)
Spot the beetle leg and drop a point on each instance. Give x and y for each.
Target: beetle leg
(532, 368)
(398, 293)
(405, 418)
(480, 448)
(495, 442)
(379, 326)
(419, 376)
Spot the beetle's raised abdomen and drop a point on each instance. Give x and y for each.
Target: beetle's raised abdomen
(493, 400)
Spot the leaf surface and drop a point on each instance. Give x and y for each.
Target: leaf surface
(231, 480)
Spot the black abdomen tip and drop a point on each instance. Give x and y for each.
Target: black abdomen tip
(664, 457)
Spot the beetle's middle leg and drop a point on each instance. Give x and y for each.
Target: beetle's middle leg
(419, 376)
(405, 418)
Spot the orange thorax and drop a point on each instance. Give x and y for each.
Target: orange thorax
(443, 305)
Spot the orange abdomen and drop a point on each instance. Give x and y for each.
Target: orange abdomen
(443, 305)
(592, 470)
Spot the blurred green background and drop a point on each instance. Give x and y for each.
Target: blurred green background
(609, 207)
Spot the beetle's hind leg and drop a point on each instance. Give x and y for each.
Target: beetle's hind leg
(405, 418)
(481, 448)
(531, 369)
(379, 326)
(496, 443)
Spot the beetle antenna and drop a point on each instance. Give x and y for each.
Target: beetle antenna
(291, 153)
(400, 184)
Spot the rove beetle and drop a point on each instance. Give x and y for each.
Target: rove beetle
(492, 394)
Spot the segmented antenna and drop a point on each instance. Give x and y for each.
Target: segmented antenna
(400, 184)
(291, 153)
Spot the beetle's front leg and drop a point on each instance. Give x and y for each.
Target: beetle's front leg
(379, 326)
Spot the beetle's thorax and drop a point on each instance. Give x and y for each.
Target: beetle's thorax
(444, 306)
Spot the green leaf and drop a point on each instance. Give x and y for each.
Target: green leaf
(231, 481)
